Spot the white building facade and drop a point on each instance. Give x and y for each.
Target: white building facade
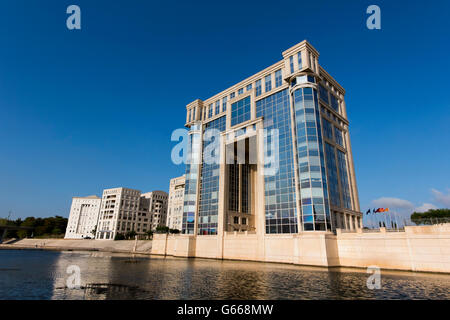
(118, 213)
(157, 202)
(175, 203)
(83, 218)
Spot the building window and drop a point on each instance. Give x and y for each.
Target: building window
(327, 129)
(291, 63)
(268, 82)
(334, 103)
(323, 92)
(217, 107)
(232, 95)
(244, 220)
(343, 177)
(240, 111)
(224, 104)
(258, 87)
(210, 110)
(299, 58)
(240, 91)
(338, 136)
(278, 78)
(249, 87)
(332, 175)
(236, 220)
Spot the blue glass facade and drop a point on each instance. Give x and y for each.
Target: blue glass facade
(332, 174)
(280, 202)
(338, 136)
(240, 111)
(343, 176)
(312, 175)
(190, 190)
(327, 129)
(323, 93)
(312, 162)
(334, 103)
(209, 188)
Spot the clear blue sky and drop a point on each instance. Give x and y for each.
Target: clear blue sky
(85, 110)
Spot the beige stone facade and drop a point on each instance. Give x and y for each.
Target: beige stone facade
(157, 206)
(175, 204)
(124, 210)
(119, 212)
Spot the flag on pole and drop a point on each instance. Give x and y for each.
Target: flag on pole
(368, 211)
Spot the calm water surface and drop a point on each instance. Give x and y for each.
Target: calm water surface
(30, 274)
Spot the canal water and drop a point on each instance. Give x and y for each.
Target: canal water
(34, 274)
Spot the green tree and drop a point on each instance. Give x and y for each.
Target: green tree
(162, 229)
(119, 236)
(431, 216)
(130, 235)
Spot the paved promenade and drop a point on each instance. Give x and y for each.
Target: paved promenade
(126, 246)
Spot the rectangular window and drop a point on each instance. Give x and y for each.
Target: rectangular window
(299, 58)
(240, 91)
(268, 82)
(224, 104)
(327, 129)
(210, 110)
(258, 87)
(343, 177)
(291, 63)
(232, 95)
(323, 92)
(249, 87)
(334, 103)
(204, 113)
(278, 78)
(217, 111)
(338, 136)
(240, 111)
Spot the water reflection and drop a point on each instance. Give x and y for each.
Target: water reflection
(42, 275)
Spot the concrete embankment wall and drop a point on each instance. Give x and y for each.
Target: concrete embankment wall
(415, 249)
(127, 246)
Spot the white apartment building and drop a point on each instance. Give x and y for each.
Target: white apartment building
(176, 202)
(157, 205)
(124, 210)
(119, 212)
(84, 213)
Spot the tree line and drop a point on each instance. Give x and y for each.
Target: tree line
(432, 215)
(51, 227)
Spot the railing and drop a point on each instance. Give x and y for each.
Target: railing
(428, 221)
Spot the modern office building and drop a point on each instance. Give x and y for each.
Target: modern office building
(286, 164)
(157, 204)
(176, 201)
(84, 213)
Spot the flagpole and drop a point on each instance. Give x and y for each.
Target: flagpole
(385, 220)
(396, 221)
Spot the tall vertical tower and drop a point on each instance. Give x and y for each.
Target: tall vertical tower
(286, 164)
